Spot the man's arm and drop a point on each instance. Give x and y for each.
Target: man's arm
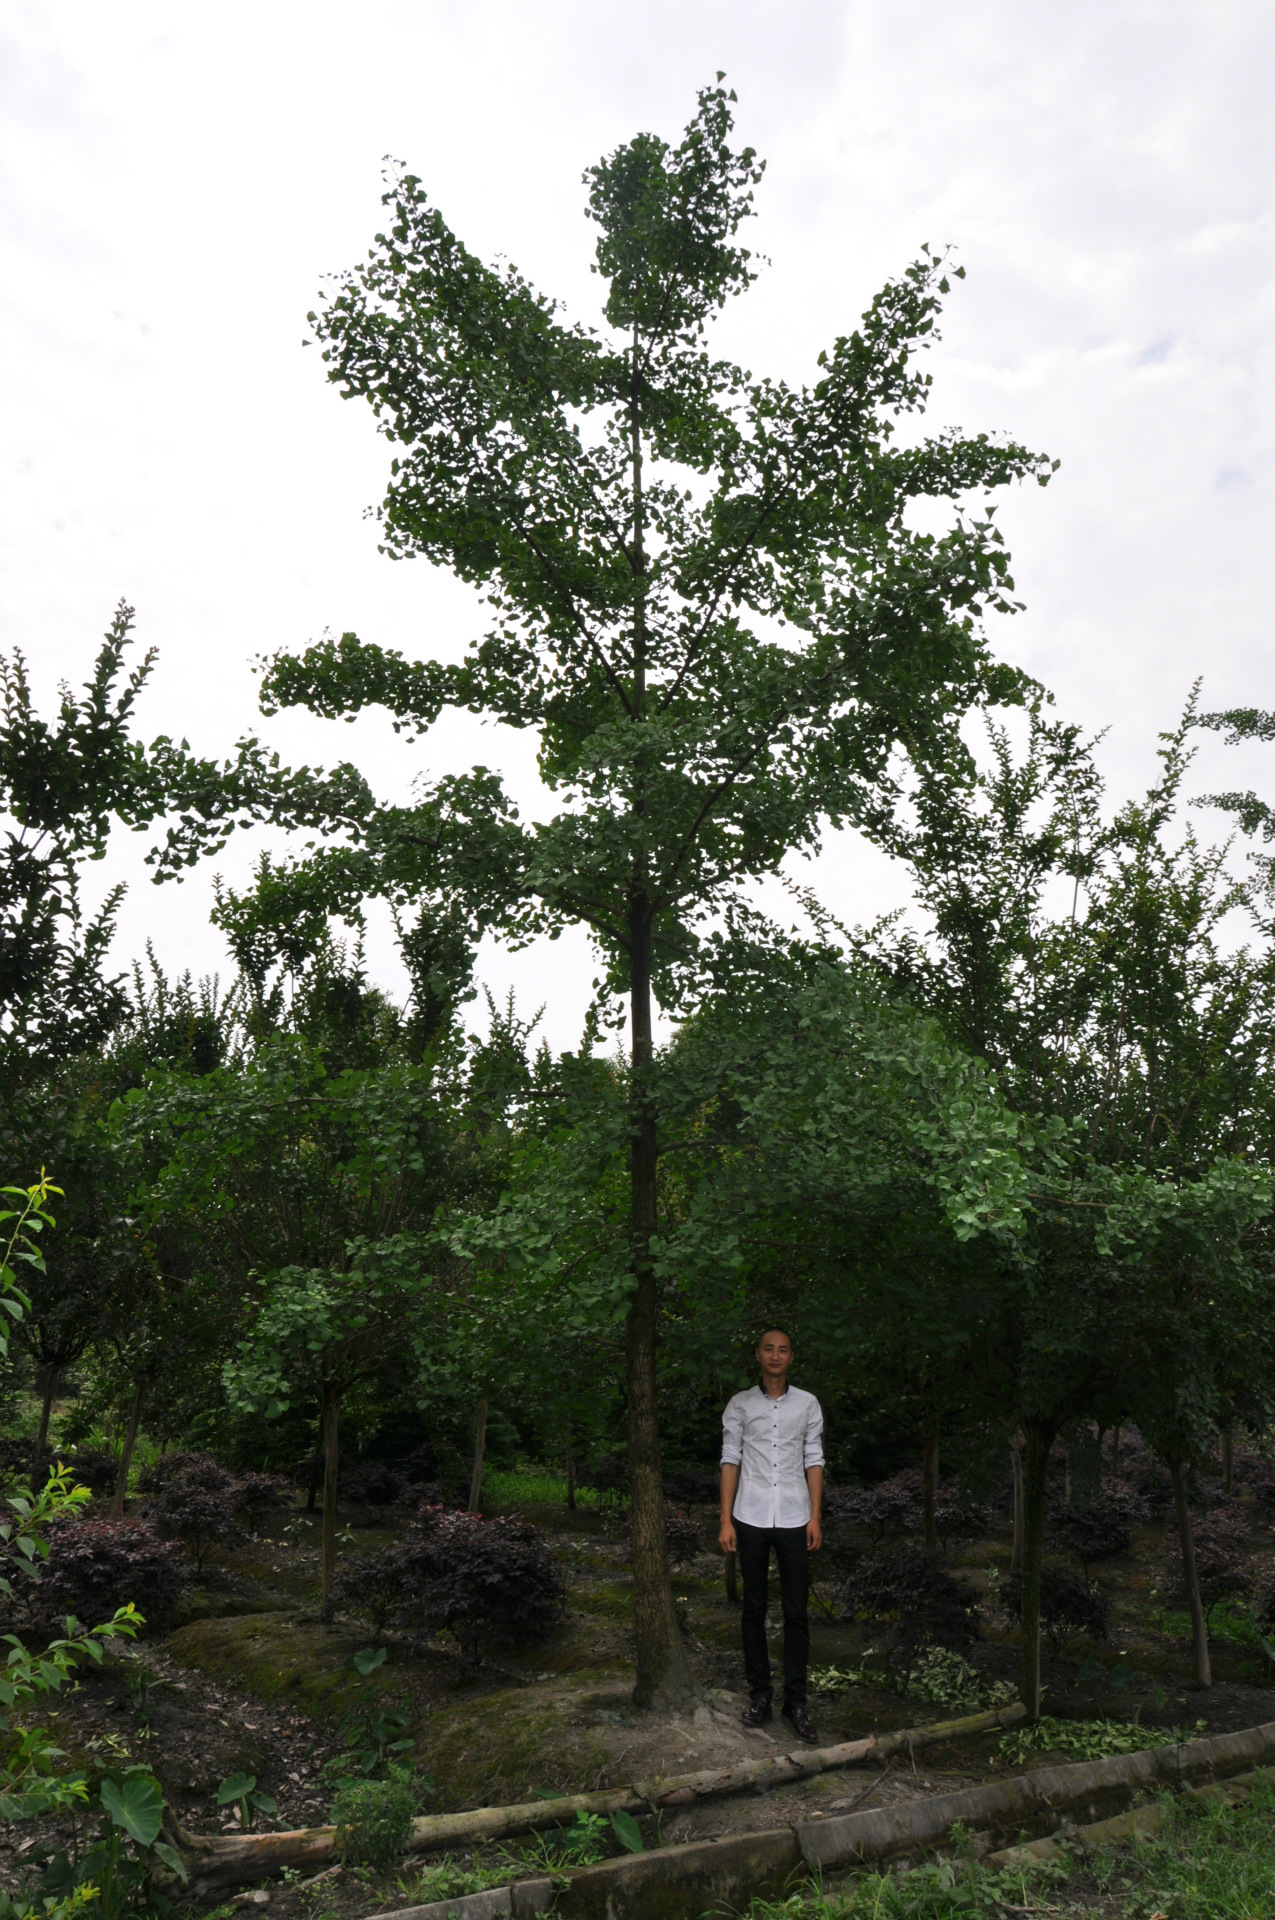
(814, 1526)
(730, 1480)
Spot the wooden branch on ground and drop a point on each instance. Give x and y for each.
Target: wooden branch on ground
(223, 1860)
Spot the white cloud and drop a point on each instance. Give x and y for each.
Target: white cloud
(174, 182)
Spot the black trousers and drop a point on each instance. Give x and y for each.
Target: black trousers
(753, 1549)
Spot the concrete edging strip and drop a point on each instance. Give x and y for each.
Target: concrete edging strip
(521, 1898)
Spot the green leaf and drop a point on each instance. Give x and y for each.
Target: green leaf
(627, 1831)
(171, 1858)
(136, 1804)
(368, 1659)
(234, 1787)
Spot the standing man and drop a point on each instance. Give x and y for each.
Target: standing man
(772, 1492)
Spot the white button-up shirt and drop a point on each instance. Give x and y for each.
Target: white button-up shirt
(772, 1442)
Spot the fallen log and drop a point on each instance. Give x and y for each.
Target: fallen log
(224, 1860)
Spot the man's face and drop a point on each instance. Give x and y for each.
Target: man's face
(774, 1352)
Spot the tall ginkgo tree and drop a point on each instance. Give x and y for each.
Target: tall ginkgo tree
(707, 598)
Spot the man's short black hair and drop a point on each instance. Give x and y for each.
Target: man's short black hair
(770, 1327)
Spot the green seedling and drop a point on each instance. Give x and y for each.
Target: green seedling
(240, 1790)
(627, 1832)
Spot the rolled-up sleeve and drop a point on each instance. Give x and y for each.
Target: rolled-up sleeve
(814, 1436)
(733, 1433)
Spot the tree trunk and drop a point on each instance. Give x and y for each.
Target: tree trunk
(46, 1414)
(1016, 1471)
(571, 1475)
(331, 1466)
(480, 1447)
(732, 1582)
(663, 1675)
(1190, 1573)
(1039, 1440)
(929, 1490)
(1228, 1457)
(126, 1452)
(316, 1467)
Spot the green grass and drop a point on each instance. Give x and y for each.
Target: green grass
(531, 1486)
(1230, 1623)
(1207, 1863)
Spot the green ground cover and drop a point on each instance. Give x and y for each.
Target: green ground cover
(1213, 1863)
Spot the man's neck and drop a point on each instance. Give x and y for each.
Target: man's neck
(775, 1389)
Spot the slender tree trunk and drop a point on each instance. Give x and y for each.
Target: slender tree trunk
(316, 1467)
(1016, 1472)
(1039, 1439)
(929, 1490)
(480, 1448)
(126, 1451)
(1190, 1573)
(331, 1467)
(570, 1461)
(46, 1414)
(1228, 1457)
(663, 1675)
(732, 1582)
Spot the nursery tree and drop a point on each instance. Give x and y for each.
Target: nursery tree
(1131, 1022)
(707, 602)
(63, 786)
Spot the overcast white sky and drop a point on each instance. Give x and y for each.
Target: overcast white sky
(175, 179)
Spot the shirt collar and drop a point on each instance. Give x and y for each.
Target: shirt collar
(774, 1396)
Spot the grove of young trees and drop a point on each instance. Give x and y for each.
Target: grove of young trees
(1005, 1164)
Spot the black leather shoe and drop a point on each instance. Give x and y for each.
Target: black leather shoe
(759, 1713)
(802, 1725)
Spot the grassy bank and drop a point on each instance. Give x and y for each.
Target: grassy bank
(1210, 1863)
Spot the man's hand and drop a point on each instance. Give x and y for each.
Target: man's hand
(726, 1537)
(814, 1535)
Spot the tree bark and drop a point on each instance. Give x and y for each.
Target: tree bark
(570, 1462)
(1228, 1457)
(929, 1490)
(1039, 1439)
(46, 1414)
(331, 1467)
(126, 1451)
(663, 1675)
(1190, 1573)
(480, 1447)
(316, 1468)
(1115, 1451)
(1016, 1472)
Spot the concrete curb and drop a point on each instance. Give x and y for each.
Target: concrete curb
(691, 1879)
(523, 1899)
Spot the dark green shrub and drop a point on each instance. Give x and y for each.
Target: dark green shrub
(908, 1601)
(373, 1588)
(201, 1516)
(373, 1818)
(1069, 1605)
(198, 1468)
(95, 1566)
(684, 1535)
(481, 1580)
